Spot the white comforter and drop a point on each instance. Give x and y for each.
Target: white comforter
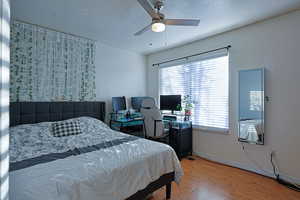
(112, 173)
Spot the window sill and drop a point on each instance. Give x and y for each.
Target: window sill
(211, 129)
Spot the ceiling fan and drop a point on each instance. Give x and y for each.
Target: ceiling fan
(159, 22)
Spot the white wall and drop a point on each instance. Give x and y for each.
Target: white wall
(119, 73)
(4, 96)
(275, 45)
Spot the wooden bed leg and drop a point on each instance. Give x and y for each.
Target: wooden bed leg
(168, 190)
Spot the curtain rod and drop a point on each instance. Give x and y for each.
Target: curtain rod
(185, 57)
(52, 29)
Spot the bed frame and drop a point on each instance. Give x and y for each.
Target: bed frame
(35, 112)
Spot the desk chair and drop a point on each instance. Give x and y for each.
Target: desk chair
(118, 103)
(154, 125)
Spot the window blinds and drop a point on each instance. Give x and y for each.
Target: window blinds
(206, 81)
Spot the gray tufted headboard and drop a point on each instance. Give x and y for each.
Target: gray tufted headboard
(35, 112)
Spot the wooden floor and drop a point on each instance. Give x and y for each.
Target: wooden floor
(205, 180)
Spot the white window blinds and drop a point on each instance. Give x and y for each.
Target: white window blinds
(206, 81)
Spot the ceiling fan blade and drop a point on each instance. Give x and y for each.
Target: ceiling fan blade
(143, 30)
(182, 22)
(146, 5)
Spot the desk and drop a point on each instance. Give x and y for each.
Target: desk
(131, 125)
(181, 137)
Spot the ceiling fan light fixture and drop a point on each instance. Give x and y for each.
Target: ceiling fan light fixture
(158, 27)
(159, 22)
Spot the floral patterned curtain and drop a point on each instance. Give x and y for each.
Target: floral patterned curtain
(50, 66)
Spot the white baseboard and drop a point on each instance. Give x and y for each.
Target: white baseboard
(267, 173)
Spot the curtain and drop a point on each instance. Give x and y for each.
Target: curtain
(50, 66)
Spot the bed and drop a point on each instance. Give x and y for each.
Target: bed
(98, 164)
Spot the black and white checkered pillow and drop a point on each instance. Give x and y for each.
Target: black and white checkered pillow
(66, 128)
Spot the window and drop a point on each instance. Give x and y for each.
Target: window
(206, 82)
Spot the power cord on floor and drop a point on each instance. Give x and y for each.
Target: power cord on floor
(290, 185)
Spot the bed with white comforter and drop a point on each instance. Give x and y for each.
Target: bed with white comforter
(99, 164)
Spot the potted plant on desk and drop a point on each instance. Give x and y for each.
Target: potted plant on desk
(188, 106)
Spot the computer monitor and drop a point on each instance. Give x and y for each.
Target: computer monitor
(118, 103)
(136, 102)
(170, 102)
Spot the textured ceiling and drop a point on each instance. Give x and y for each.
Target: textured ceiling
(114, 22)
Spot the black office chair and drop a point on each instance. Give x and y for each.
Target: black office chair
(118, 103)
